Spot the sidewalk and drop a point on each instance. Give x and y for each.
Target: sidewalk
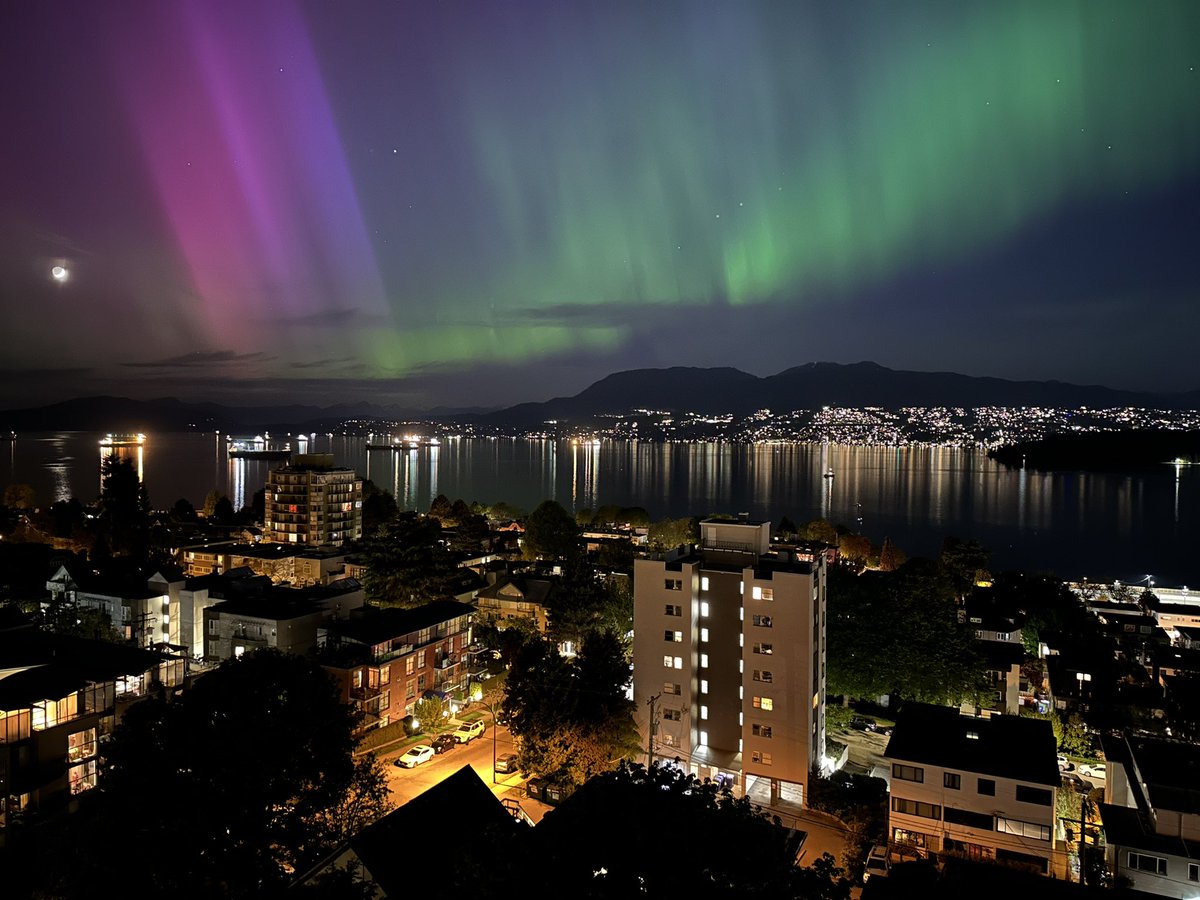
(825, 833)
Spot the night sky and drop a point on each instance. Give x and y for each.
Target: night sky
(477, 204)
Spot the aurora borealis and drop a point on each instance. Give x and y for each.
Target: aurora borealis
(479, 203)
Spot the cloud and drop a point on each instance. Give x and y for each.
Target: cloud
(191, 360)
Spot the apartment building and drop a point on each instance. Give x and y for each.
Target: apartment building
(385, 660)
(982, 788)
(310, 501)
(59, 698)
(517, 597)
(729, 658)
(1152, 814)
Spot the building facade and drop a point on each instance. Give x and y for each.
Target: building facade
(312, 502)
(729, 658)
(984, 788)
(1152, 814)
(385, 660)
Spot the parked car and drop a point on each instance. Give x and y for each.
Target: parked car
(863, 723)
(877, 864)
(444, 742)
(1080, 785)
(414, 756)
(1092, 770)
(1064, 764)
(468, 731)
(506, 763)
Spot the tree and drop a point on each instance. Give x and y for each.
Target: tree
(183, 511)
(820, 531)
(20, 496)
(407, 565)
(64, 617)
(379, 508)
(550, 532)
(890, 557)
(210, 502)
(572, 717)
(594, 845)
(671, 533)
(124, 508)
(440, 508)
(223, 513)
(966, 562)
(430, 712)
(855, 547)
(259, 754)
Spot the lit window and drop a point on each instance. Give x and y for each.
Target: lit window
(764, 703)
(703, 635)
(679, 662)
(756, 593)
(759, 757)
(703, 712)
(704, 660)
(704, 739)
(704, 685)
(768, 593)
(704, 584)
(703, 609)
(674, 636)
(765, 649)
(669, 661)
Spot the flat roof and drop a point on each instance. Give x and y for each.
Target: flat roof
(374, 626)
(1016, 747)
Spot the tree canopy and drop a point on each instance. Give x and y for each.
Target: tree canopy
(245, 777)
(407, 563)
(551, 532)
(124, 518)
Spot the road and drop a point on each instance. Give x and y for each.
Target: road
(408, 783)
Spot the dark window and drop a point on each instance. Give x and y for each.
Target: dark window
(1027, 794)
(987, 787)
(673, 584)
(970, 819)
(908, 773)
(762, 621)
(916, 808)
(1143, 862)
(761, 730)
(673, 610)
(952, 780)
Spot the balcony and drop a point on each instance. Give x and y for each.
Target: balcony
(365, 693)
(446, 662)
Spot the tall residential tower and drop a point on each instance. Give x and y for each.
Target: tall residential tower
(729, 658)
(312, 502)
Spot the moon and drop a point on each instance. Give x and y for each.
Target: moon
(59, 273)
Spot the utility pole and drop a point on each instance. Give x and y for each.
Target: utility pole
(650, 737)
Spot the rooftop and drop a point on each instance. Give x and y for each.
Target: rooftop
(1015, 747)
(375, 626)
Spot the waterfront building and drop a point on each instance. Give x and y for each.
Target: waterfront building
(311, 501)
(729, 658)
(980, 788)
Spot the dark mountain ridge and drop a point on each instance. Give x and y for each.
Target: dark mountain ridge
(676, 390)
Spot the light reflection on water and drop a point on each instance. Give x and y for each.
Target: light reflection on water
(1074, 523)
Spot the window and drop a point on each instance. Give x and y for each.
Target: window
(763, 675)
(1155, 865)
(673, 584)
(673, 610)
(768, 593)
(759, 757)
(704, 685)
(421, 660)
(981, 821)
(385, 675)
(908, 773)
(765, 649)
(762, 621)
(81, 744)
(704, 635)
(703, 712)
(704, 660)
(987, 787)
(951, 780)
(1193, 872)
(410, 689)
(704, 605)
(410, 665)
(704, 585)
(916, 808)
(1026, 794)
(1034, 830)
(756, 593)
(669, 688)
(679, 662)
(674, 636)
(213, 626)
(764, 703)
(669, 740)
(763, 731)
(672, 715)
(82, 777)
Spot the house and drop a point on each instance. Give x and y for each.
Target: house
(981, 788)
(517, 597)
(729, 658)
(59, 698)
(137, 611)
(480, 820)
(1152, 814)
(1002, 694)
(385, 660)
